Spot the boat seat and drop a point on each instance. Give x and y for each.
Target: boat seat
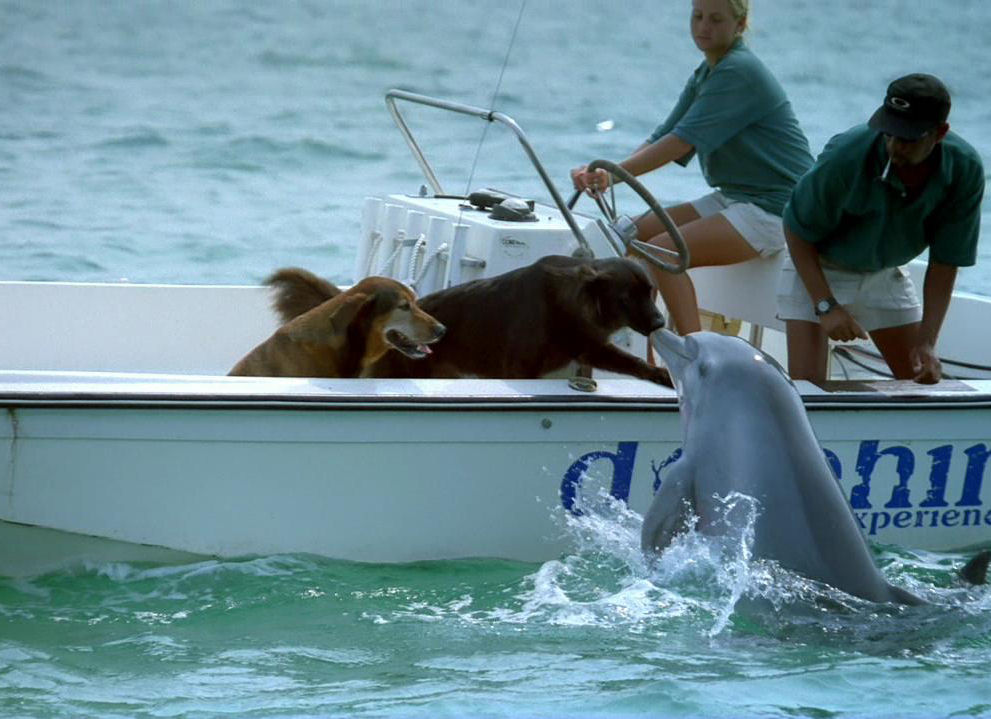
(746, 291)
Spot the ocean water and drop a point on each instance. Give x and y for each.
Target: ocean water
(212, 142)
(215, 141)
(707, 632)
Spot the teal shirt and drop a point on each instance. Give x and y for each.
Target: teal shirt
(860, 219)
(739, 121)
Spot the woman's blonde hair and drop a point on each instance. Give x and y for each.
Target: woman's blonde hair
(740, 8)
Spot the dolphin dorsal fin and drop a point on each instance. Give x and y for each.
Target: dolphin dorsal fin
(976, 570)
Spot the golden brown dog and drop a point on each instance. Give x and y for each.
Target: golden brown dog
(344, 335)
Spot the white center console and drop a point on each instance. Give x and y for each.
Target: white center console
(432, 243)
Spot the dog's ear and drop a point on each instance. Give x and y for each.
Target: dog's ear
(352, 306)
(329, 321)
(589, 275)
(581, 286)
(575, 281)
(595, 285)
(575, 273)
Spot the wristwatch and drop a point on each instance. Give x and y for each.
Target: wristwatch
(825, 306)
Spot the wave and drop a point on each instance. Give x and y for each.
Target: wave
(29, 134)
(140, 138)
(350, 59)
(257, 153)
(50, 264)
(20, 77)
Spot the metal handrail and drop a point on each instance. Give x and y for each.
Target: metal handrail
(490, 116)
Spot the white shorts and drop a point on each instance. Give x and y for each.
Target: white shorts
(877, 300)
(761, 229)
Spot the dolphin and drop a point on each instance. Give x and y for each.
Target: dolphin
(745, 431)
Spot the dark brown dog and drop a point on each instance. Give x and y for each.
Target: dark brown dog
(522, 324)
(342, 335)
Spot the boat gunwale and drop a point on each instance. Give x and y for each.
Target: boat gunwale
(610, 403)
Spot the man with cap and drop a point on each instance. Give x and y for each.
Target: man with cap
(878, 196)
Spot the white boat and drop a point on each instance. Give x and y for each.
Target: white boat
(121, 436)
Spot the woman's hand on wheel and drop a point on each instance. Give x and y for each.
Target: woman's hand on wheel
(589, 181)
(578, 177)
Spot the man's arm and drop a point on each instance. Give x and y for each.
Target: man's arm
(937, 290)
(838, 324)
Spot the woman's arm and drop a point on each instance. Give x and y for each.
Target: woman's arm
(659, 149)
(649, 156)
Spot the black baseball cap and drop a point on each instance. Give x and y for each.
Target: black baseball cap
(914, 105)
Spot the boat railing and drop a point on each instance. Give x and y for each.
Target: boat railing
(489, 116)
(667, 260)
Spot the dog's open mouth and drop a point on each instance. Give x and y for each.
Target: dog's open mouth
(407, 346)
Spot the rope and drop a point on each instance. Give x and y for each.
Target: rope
(441, 249)
(847, 353)
(956, 363)
(419, 246)
(384, 269)
(400, 242)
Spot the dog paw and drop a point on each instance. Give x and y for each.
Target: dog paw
(660, 375)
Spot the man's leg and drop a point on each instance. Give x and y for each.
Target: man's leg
(807, 350)
(895, 343)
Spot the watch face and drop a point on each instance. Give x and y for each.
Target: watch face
(824, 306)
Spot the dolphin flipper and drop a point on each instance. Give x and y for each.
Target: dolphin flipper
(669, 512)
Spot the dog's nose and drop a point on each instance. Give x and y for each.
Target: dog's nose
(658, 322)
(439, 331)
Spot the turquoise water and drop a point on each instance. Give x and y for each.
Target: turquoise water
(704, 634)
(214, 142)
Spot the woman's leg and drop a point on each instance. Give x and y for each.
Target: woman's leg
(650, 225)
(711, 241)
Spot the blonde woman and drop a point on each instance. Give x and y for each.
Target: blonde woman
(735, 116)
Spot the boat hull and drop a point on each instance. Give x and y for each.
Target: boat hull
(432, 469)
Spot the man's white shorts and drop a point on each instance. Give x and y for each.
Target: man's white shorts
(877, 300)
(761, 229)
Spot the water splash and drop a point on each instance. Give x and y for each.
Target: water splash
(713, 576)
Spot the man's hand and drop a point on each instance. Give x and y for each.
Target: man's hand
(839, 325)
(925, 363)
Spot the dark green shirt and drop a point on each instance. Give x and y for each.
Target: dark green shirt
(859, 217)
(738, 119)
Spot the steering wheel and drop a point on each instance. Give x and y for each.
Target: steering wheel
(674, 261)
